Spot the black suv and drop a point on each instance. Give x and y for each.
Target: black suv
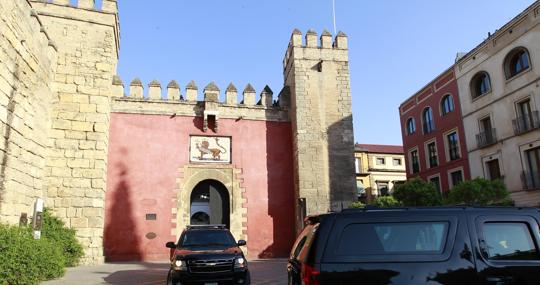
(207, 255)
(451, 245)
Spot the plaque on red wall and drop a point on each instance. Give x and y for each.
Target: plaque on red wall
(210, 149)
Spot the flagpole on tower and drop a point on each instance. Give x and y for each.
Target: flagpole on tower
(334, 15)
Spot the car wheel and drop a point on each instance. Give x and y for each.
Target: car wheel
(170, 280)
(248, 279)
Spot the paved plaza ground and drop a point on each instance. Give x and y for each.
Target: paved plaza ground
(264, 272)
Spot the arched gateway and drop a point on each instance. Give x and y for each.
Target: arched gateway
(210, 204)
(211, 195)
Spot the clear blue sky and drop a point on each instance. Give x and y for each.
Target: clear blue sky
(395, 47)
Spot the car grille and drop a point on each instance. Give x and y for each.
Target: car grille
(211, 266)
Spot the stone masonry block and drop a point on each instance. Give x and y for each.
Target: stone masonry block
(79, 222)
(96, 222)
(67, 144)
(52, 192)
(82, 126)
(62, 124)
(92, 212)
(77, 162)
(97, 118)
(96, 136)
(101, 127)
(77, 135)
(94, 154)
(77, 183)
(73, 153)
(88, 108)
(65, 97)
(57, 162)
(96, 192)
(71, 212)
(60, 172)
(85, 145)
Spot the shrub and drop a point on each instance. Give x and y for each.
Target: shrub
(26, 261)
(481, 192)
(386, 202)
(54, 230)
(417, 192)
(357, 205)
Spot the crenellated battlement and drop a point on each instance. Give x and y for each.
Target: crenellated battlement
(310, 40)
(211, 93)
(108, 6)
(83, 12)
(315, 47)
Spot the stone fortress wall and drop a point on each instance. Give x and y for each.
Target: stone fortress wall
(56, 98)
(56, 71)
(88, 45)
(27, 65)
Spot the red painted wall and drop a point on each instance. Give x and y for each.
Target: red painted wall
(145, 155)
(414, 107)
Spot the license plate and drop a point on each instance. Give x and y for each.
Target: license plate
(210, 283)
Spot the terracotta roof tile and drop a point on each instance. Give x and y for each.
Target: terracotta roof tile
(379, 148)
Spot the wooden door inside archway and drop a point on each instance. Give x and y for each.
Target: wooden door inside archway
(209, 203)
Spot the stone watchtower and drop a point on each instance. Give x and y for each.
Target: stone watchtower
(317, 76)
(87, 39)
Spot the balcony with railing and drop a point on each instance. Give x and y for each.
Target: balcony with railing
(486, 138)
(531, 180)
(526, 123)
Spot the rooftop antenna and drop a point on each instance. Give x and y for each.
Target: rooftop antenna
(334, 15)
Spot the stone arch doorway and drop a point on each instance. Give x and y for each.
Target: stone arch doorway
(227, 176)
(209, 203)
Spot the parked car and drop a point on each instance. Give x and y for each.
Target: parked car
(208, 255)
(456, 245)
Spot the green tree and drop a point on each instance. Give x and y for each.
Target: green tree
(417, 192)
(481, 192)
(386, 202)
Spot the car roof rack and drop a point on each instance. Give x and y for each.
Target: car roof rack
(370, 208)
(206, 227)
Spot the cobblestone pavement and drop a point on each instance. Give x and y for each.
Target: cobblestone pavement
(264, 272)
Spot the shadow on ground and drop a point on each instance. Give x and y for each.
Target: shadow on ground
(268, 271)
(263, 272)
(144, 274)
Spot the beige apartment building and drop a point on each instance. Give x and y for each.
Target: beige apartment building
(378, 169)
(499, 91)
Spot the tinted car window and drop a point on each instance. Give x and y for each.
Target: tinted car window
(204, 238)
(509, 241)
(303, 243)
(393, 238)
(299, 247)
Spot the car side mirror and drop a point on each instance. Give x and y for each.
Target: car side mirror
(241, 242)
(170, 244)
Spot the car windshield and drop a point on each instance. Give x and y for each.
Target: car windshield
(207, 238)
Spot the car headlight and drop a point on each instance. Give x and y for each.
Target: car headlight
(180, 265)
(239, 262)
